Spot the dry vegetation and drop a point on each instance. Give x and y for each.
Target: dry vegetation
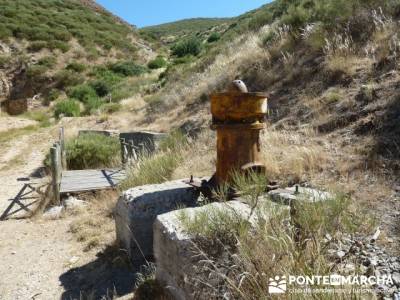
(94, 225)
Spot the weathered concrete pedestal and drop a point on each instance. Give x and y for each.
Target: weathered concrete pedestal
(137, 209)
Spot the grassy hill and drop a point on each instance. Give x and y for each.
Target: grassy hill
(49, 47)
(53, 24)
(182, 28)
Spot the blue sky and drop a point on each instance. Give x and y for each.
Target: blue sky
(151, 12)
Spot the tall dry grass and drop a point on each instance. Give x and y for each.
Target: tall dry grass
(293, 156)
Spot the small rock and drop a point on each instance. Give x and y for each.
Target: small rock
(340, 254)
(396, 278)
(53, 213)
(73, 202)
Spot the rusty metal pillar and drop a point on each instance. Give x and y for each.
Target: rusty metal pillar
(238, 118)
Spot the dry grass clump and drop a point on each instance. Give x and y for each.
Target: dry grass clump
(385, 42)
(159, 167)
(94, 225)
(292, 156)
(199, 158)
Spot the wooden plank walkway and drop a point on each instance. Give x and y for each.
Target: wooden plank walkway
(89, 180)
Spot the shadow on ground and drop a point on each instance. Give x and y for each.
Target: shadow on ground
(109, 275)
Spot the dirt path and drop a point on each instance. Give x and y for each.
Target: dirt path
(7, 123)
(34, 255)
(21, 157)
(42, 259)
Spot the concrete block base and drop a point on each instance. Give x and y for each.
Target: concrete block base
(137, 209)
(178, 261)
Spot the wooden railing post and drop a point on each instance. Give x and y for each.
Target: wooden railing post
(56, 171)
(123, 157)
(63, 152)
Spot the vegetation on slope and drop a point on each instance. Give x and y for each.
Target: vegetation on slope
(52, 24)
(183, 27)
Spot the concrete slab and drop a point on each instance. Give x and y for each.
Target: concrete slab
(137, 209)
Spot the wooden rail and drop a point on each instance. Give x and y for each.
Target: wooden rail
(129, 152)
(58, 163)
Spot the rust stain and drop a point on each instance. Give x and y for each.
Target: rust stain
(238, 118)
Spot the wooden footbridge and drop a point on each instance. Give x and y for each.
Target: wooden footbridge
(77, 181)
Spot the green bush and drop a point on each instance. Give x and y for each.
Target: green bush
(128, 68)
(157, 63)
(102, 87)
(66, 78)
(260, 20)
(92, 151)
(36, 74)
(69, 108)
(215, 36)
(64, 47)
(48, 61)
(82, 92)
(4, 60)
(92, 105)
(36, 46)
(75, 66)
(191, 46)
(53, 95)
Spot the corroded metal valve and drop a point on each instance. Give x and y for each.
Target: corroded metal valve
(238, 118)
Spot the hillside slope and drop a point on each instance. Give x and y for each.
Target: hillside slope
(52, 45)
(332, 74)
(173, 31)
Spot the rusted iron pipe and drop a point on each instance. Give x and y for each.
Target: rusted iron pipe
(238, 118)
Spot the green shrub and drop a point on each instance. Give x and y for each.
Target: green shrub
(77, 67)
(92, 151)
(66, 78)
(36, 46)
(191, 46)
(68, 108)
(157, 63)
(93, 104)
(4, 60)
(64, 47)
(296, 17)
(260, 20)
(102, 87)
(128, 68)
(82, 92)
(53, 95)
(36, 73)
(215, 36)
(5, 33)
(48, 61)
